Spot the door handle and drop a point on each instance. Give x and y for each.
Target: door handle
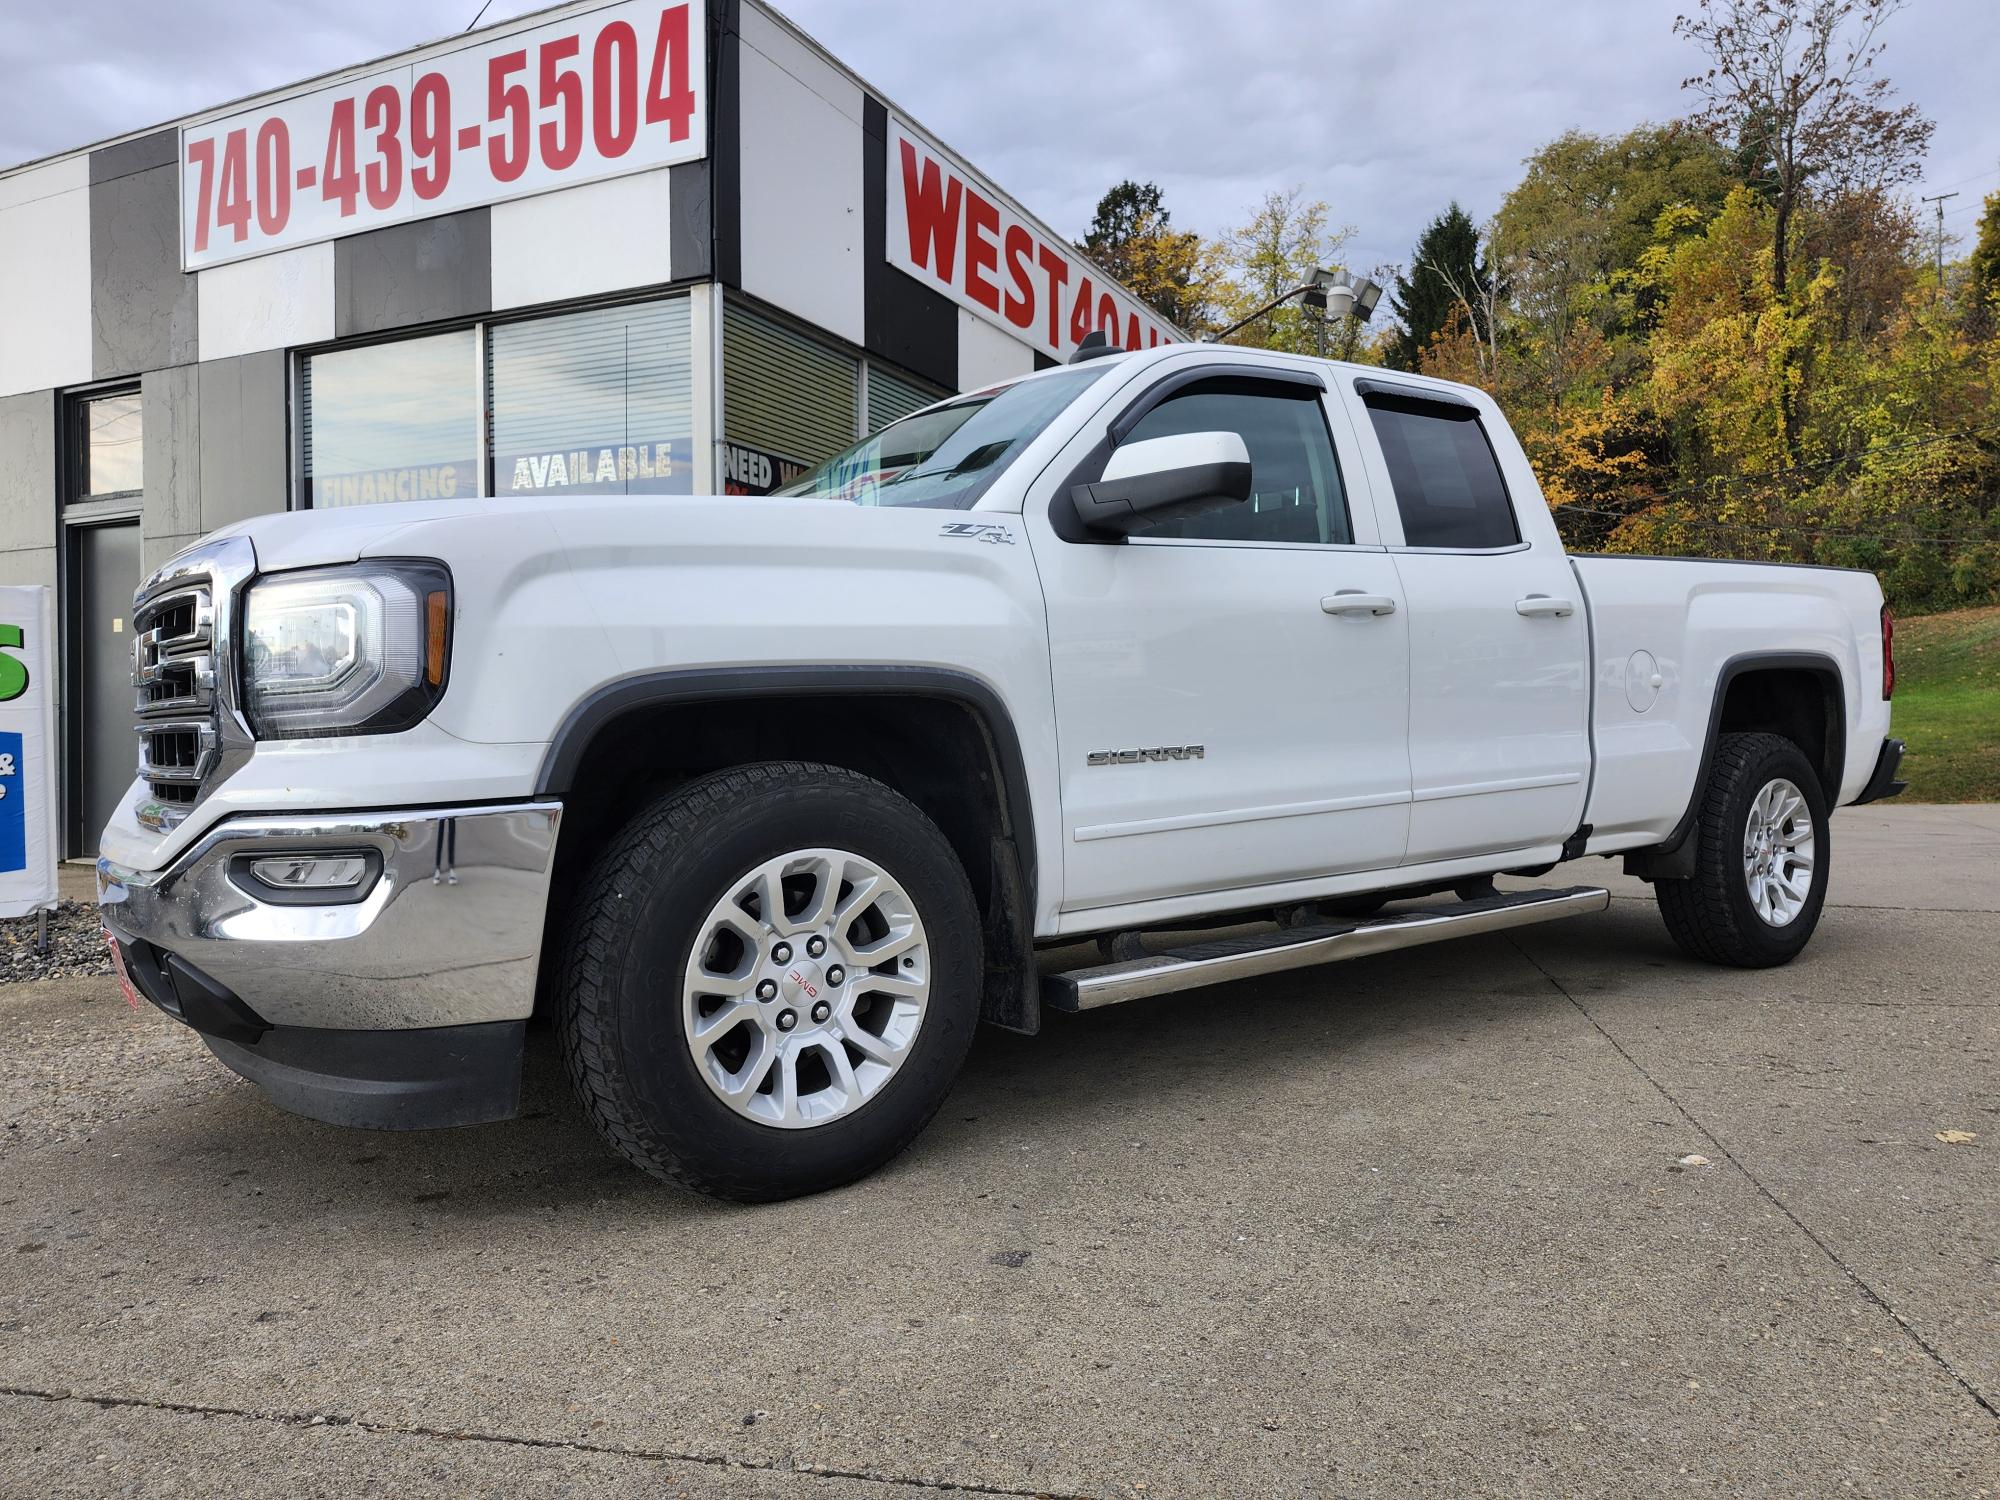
(1354, 602)
(1541, 606)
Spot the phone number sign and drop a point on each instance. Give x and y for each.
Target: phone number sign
(609, 92)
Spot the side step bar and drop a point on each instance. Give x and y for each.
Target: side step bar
(1225, 959)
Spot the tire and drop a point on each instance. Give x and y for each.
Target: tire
(630, 997)
(1715, 915)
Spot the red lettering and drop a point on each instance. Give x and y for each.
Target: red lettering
(1080, 313)
(1132, 332)
(932, 213)
(1057, 270)
(201, 155)
(1107, 316)
(1020, 295)
(981, 250)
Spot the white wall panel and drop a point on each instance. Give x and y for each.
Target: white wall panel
(273, 302)
(45, 276)
(801, 179)
(581, 241)
(985, 354)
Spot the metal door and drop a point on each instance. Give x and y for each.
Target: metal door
(103, 576)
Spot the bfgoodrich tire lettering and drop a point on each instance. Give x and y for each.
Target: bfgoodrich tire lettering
(651, 897)
(1714, 915)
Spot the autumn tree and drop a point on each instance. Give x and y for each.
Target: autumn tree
(1174, 271)
(1791, 86)
(1285, 240)
(1448, 279)
(1983, 266)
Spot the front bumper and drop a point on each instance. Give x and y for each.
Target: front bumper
(399, 1002)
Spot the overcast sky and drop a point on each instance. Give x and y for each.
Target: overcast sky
(1386, 109)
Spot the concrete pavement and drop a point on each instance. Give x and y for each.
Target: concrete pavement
(1414, 1223)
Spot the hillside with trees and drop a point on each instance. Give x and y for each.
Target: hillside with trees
(1725, 335)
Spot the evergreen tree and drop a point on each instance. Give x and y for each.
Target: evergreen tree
(1445, 263)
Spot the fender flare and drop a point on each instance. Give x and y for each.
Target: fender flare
(1678, 842)
(604, 705)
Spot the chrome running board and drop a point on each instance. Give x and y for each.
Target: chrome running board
(1222, 960)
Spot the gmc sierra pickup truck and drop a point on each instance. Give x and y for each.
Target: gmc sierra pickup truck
(765, 803)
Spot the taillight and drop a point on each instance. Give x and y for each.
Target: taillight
(1888, 654)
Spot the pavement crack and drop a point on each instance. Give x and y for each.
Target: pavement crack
(519, 1440)
(1770, 1197)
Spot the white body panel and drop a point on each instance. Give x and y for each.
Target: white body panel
(1448, 735)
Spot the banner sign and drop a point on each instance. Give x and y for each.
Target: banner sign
(27, 745)
(609, 92)
(953, 232)
(751, 471)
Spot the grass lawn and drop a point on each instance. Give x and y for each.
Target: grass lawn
(1947, 705)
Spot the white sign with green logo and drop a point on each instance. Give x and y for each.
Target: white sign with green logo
(27, 747)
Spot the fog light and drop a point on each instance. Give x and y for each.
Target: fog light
(311, 872)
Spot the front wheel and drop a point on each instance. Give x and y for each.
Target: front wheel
(1762, 855)
(771, 981)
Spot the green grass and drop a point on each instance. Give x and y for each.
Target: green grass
(1947, 705)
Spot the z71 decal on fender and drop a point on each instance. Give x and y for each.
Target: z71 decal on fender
(1156, 752)
(984, 531)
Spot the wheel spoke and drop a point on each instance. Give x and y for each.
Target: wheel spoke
(825, 898)
(873, 1047)
(858, 900)
(711, 1029)
(889, 984)
(786, 1092)
(893, 945)
(771, 900)
(843, 1070)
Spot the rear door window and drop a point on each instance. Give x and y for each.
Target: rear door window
(1447, 481)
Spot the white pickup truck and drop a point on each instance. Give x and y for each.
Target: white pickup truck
(766, 802)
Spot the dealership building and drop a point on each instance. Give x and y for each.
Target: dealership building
(650, 247)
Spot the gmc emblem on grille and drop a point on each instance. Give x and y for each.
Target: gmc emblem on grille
(1154, 752)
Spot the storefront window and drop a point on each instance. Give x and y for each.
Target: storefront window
(396, 421)
(598, 402)
(789, 402)
(113, 442)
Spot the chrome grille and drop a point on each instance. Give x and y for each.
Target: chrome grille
(180, 665)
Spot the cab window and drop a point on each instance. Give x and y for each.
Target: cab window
(1448, 486)
(1295, 490)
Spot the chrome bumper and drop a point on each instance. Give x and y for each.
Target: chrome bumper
(446, 929)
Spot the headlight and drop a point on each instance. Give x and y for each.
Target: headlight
(360, 650)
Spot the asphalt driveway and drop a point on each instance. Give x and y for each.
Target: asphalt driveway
(1556, 1214)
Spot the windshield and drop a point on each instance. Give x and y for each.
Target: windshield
(944, 458)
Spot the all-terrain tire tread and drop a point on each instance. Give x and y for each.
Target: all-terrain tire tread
(1698, 912)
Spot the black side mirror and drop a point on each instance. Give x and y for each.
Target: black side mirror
(1164, 479)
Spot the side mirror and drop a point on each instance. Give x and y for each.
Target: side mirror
(1164, 479)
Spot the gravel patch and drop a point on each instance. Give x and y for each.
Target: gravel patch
(76, 946)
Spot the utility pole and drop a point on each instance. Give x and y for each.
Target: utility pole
(1939, 200)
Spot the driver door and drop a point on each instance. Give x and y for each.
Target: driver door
(1224, 720)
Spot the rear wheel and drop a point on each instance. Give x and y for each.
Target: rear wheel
(1761, 857)
(772, 981)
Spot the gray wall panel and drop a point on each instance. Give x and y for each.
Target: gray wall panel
(142, 308)
(172, 403)
(691, 221)
(160, 149)
(30, 565)
(28, 471)
(242, 450)
(430, 271)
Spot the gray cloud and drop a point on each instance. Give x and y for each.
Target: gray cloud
(1387, 110)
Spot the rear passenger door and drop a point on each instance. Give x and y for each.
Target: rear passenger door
(1499, 640)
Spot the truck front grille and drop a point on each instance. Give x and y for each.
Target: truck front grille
(174, 689)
